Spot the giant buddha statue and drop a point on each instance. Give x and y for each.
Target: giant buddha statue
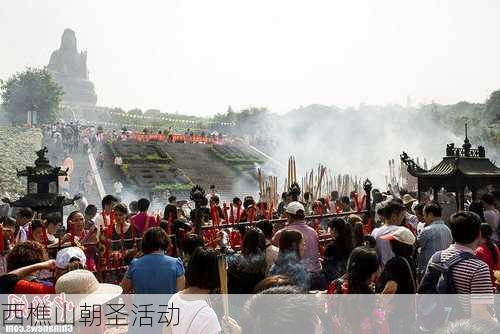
(69, 69)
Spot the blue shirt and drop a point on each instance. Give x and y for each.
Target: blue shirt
(155, 274)
(433, 238)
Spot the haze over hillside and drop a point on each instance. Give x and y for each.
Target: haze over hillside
(196, 57)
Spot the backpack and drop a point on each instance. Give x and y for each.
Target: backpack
(437, 301)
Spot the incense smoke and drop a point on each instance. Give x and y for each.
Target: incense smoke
(351, 141)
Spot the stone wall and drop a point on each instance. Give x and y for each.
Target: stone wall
(17, 150)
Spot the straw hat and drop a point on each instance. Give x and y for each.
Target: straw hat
(496, 273)
(407, 198)
(86, 289)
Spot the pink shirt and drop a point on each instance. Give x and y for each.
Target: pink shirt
(139, 221)
(311, 245)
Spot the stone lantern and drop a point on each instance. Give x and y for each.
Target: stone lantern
(43, 187)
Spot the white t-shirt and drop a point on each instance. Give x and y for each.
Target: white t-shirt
(99, 221)
(52, 239)
(22, 234)
(118, 187)
(195, 316)
(118, 161)
(271, 255)
(420, 227)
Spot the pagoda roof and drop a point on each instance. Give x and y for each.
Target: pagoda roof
(37, 202)
(467, 166)
(459, 161)
(42, 167)
(40, 171)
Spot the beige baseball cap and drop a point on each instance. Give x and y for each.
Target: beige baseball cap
(294, 207)
(401, 234)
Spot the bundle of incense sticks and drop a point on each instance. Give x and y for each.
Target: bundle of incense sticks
(261, 182)
(321, 174)
(318, 183)
(269, 192)
(292, 172)
(223, 283)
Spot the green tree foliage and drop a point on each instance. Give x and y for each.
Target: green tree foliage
(493, 106)
(31, 90)
(246, 122)
(153, 112)
(482, 119)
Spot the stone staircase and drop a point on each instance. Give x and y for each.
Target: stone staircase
(109, 173)
(204, 168)
(196, 160)
(81, 166)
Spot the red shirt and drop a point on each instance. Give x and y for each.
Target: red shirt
(139, 221)
(483, 253)
(35, 288)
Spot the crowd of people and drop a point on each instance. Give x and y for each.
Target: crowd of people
(400, 247)
(403, 253)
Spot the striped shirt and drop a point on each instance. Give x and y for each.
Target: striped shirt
(471, 278)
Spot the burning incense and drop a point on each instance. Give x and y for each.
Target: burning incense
(225, 208)
(223, 283)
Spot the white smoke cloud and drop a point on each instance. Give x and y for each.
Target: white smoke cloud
(354, 141)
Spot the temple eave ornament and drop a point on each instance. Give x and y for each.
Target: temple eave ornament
(413, 168)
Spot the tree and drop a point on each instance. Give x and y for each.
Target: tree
(31, 90)
(493, 106)
(153, 113)
(118, 110)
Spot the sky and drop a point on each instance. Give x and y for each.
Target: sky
(197, 57)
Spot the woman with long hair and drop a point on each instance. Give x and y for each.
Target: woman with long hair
(38, 232)
(363, 270)
(398, 277)
(248, 268)
(359, 314)
(124, 233)
(338, 251)
(488, 251)
(358, 233)
(75, 231)
(291, 252)
(195, 313)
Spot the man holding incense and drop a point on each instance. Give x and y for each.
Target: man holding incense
(296, 221)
